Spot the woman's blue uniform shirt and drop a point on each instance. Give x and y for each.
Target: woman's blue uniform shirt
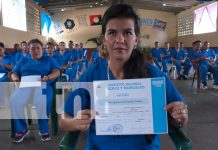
(98, 71)
(9, 61)
(42, 66)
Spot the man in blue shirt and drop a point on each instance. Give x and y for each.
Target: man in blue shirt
(179, 58)
(204, 58)
(23, 53)
(95, 54)
(166, 57)
(156, 54)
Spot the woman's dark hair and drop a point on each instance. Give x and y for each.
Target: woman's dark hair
(135, 67)
(35, 41)
(120, 11)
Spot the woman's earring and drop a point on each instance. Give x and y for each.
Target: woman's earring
(134, 47)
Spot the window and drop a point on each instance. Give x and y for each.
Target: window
(205, 19)
(33, 19)
(185, 25)
(14, 14)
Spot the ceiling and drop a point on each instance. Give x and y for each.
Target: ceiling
(174, 6)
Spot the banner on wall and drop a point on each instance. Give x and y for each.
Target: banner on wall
(159, 24)
(155, 23)
(146, 21)
(95, 20)
(82, 20)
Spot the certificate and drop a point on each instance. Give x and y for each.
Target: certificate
(30, 81)
(127, 107)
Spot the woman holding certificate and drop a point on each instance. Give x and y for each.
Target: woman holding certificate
(30, 74)
(120, 36)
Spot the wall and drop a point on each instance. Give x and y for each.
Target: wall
(169, 35)
(188, 39)
(10, 36)
(81, 34)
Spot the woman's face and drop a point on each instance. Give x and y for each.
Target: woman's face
(120, 38)
(35, 51)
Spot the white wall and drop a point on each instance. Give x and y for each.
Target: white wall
(81, 34)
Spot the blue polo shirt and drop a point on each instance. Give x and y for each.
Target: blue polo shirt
(156, 52)
(63, 59)
(167, 52)
(178, 54)
(42, 66)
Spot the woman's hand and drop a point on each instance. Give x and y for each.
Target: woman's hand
(45, 78)
(80, 122)
(16, 79)
(83, 119)
(179, 113)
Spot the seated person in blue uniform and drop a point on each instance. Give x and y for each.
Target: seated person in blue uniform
(56, 49)
(23, 53)
(6, 65)
(70, 48)
(120, 35)
(13, 51)
(73, 63)
(36, 65)
(209, 50)
(49, 47)
(84, 54)
(216, 52)
(63, 57)
(156, 54)
(166, 57)
(206, 47)
(95, 54)
(179, 58)
(204, 58)
(183, 48)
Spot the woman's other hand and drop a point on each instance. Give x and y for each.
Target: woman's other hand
(179, 113)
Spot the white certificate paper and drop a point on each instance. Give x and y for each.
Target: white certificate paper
(127, 107)
(30, 81)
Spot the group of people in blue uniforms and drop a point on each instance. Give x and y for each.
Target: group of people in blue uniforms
(120, 36)
(48, 63)
(179, 56)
